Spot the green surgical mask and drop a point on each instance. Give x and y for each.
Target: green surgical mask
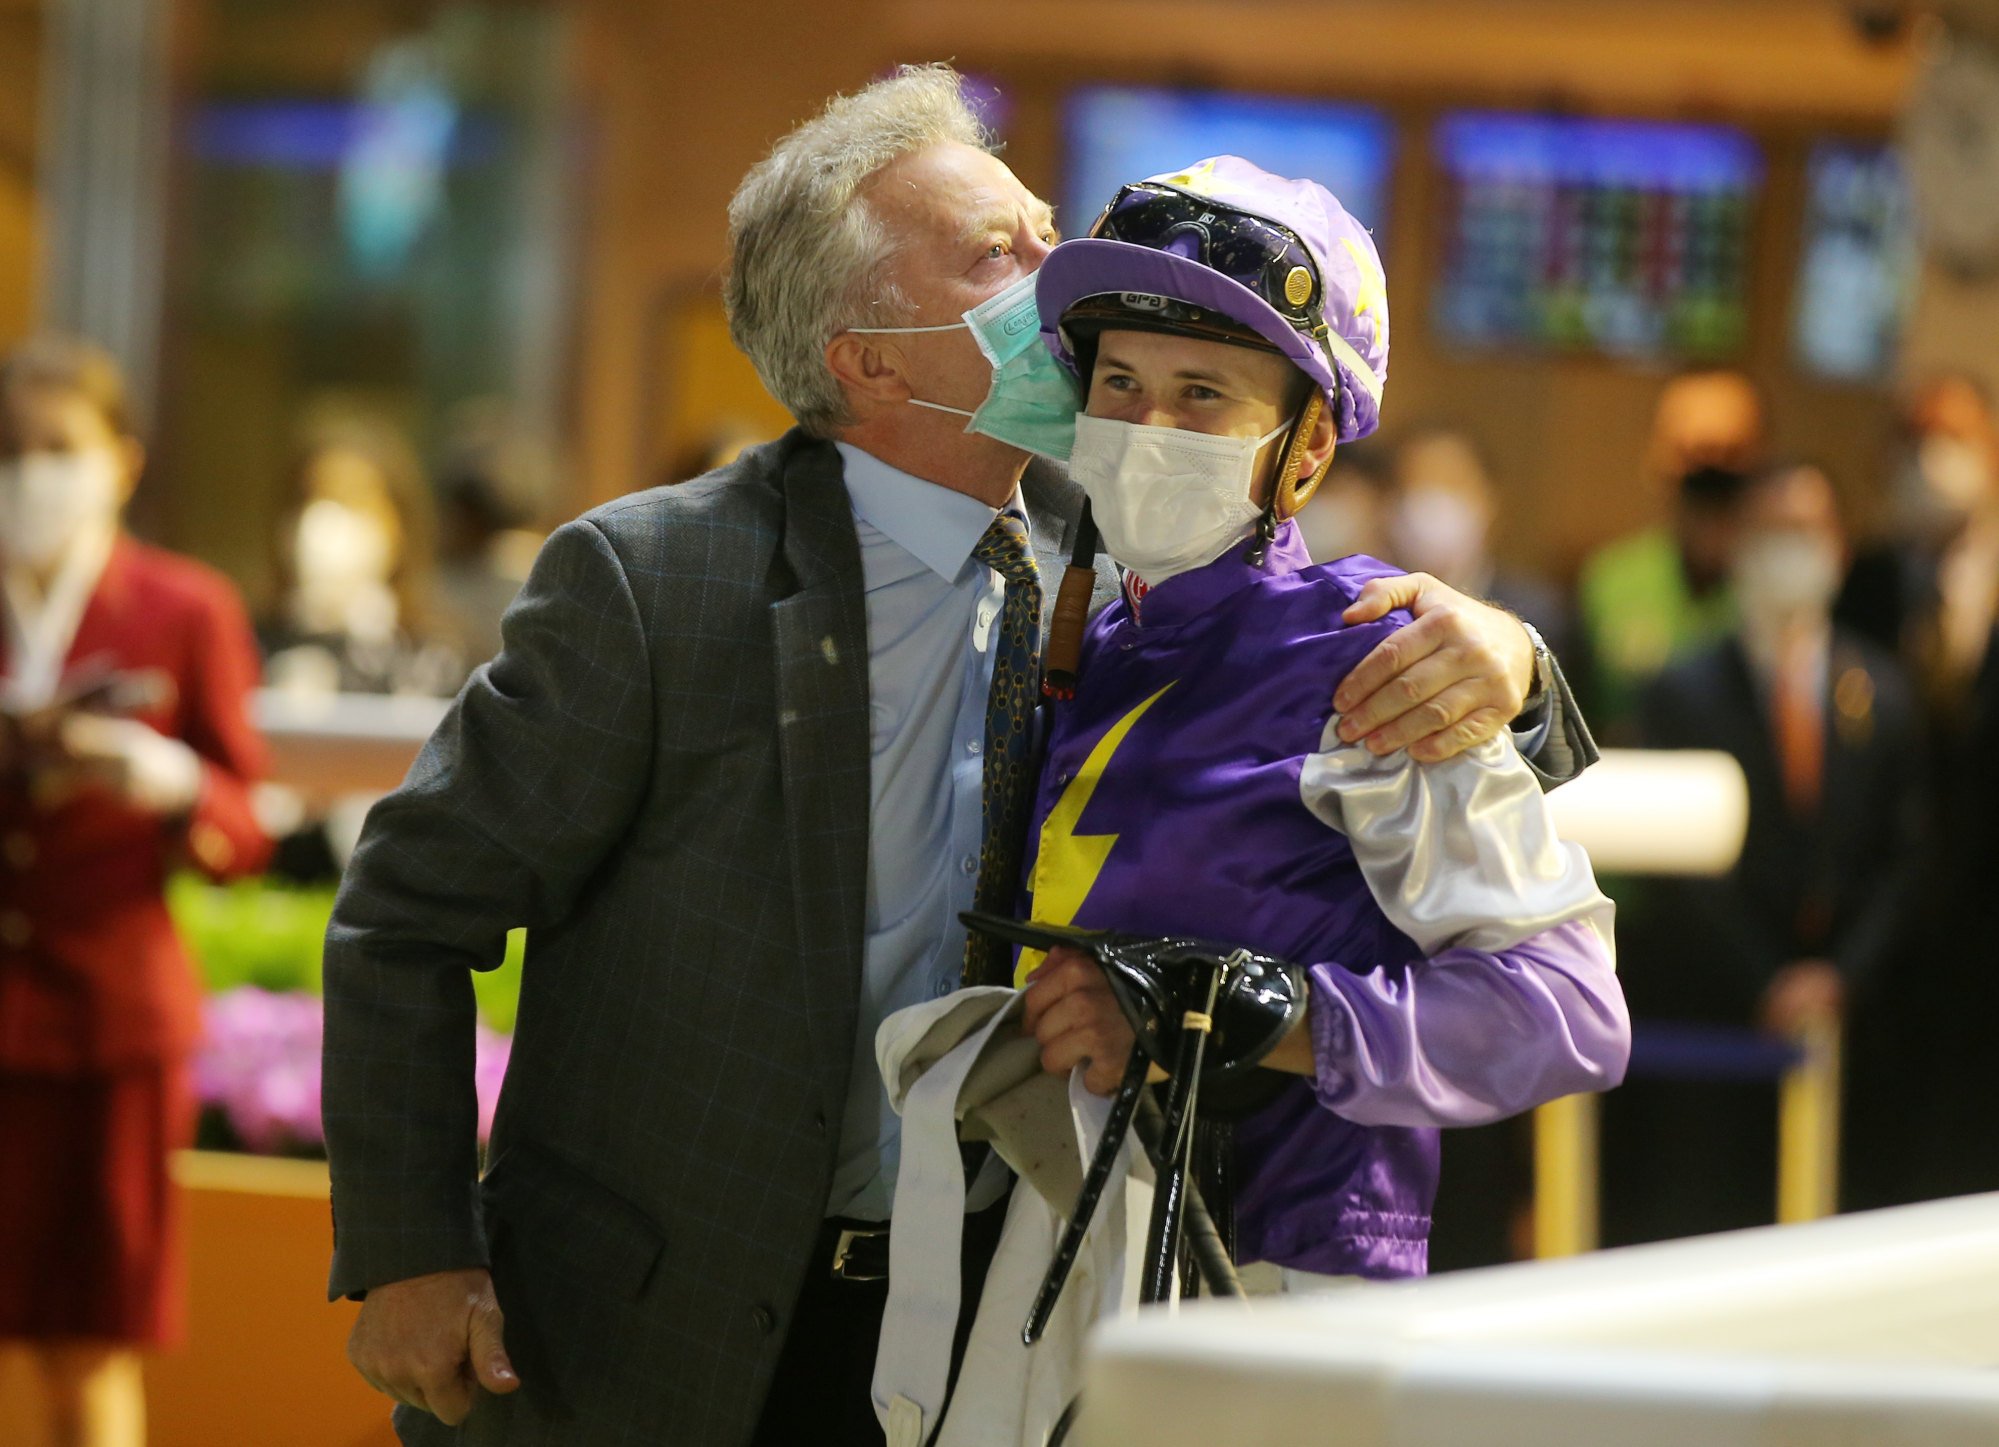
(1032, 402)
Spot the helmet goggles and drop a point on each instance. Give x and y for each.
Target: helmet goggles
(1263, 257)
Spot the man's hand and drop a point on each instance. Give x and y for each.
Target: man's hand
(1448, 681)
(427, 1340)
(1800, 994)
(1075, 1018)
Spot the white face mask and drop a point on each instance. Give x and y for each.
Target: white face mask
(337, 545)
(1167, 501)
(341, 562)
(1785, 577)
(49, 499)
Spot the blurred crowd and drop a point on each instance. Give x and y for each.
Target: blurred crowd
(387, 578)
(1853, 677)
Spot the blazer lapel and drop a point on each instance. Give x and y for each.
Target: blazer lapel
(821, 640)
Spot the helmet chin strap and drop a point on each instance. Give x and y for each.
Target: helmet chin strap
(1287, 494)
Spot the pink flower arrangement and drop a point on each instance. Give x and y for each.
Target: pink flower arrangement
(259, 1066)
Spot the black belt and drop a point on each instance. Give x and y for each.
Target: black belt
(858, 1250)
(853, 1250)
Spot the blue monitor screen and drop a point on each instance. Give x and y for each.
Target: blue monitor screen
(1857, 267)
(1118, 135)
(311, 135)
(1624, 237)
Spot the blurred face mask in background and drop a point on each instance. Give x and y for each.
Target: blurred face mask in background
(338, 546)
(1938, 486)
(49, 499)
(1785, 577)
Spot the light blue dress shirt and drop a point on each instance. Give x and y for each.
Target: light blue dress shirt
(926, 600)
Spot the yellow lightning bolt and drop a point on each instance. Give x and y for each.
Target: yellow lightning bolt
(1372, 302)
(1068, 863)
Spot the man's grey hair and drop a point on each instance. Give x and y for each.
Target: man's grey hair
(808, 257)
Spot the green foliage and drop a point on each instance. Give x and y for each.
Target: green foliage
(499, 990)
(264, 933)
(252, 932)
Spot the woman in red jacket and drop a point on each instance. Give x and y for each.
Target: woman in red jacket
(126, 752)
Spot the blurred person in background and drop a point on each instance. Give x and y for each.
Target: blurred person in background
(355, 564)
(1661, 592)
(126, 752)
(1441, 509)
(1808, 925)
(488, 483)
(1930, 590)
(355, 610)
(1348, 515)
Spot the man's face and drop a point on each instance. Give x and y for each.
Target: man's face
(1801, 503)
(965, 229)
(1792, 551)
(1155, 380)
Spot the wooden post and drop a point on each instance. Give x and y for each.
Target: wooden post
(1565, 1176)
(1808, 1127)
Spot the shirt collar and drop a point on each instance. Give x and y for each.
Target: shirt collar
(1186, 595)
(934, 524)
(42, 626)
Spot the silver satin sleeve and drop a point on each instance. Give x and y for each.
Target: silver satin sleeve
(1514, 998)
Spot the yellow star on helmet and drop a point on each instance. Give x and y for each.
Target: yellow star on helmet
(1372, 302)
(1197, 179)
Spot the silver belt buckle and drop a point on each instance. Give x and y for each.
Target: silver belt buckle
(843, 1249)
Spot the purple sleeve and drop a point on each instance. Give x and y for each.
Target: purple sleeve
(1469, 1036)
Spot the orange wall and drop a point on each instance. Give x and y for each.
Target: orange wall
(265, 1362)
(682, 100)
(20, 52)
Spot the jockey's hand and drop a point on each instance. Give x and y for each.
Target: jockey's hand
(1073, 1016)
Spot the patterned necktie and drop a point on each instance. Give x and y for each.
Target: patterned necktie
(1008, 791)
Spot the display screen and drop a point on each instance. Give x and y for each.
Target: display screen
(1857, 264)
(1118, 135)
(1622, 237)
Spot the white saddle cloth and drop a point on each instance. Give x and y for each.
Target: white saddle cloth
(960, 1068)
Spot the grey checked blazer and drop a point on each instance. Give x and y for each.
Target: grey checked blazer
(664, 776)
